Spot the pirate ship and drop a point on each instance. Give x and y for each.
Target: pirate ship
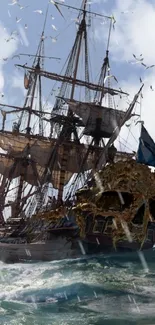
(72, 192)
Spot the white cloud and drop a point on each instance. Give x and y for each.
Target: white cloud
(134, 30)
(134, 34)
(18, 82)
(24, 38)
(8, 46)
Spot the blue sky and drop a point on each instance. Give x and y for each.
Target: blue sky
(133, 34)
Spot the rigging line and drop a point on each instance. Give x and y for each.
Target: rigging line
(61, 32)
(56, 82)
(126, 147)
(46, 14)
(42, 34)
(126, 140)
(83, 10)
(109, 35)
(40, 56)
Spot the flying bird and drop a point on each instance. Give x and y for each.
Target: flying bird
(9, 39)
(151, 88)
(53, 26)
(25, 26)
(150, 66)
(15, 56)
(14, 2)
(141, 59)
(142, 122)
(140, 79)
(9, 14)
(126, 12)
(144, 64)
(18, 20)
(38, 11)
(111, 76)
(54, 39)
(56, 6)
(22, 7)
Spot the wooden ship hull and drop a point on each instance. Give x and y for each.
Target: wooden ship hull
(60, 248)
(118, 220)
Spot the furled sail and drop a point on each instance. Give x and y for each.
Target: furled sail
(90, 112)
(146, 149)
(26, 81)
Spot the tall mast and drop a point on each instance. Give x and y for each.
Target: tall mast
(82, 29)
(100, 95)
(35, 83)
(67, 130)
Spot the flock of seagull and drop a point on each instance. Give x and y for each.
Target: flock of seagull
(136, 59)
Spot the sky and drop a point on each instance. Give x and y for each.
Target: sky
(132, 33)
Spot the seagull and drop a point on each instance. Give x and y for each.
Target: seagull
(144, 64)
(18, 20)
(14, 2)
(9, 39)
(138, 58)
(53, 26)
(150, 66)
(140, 80)
(26, 27)
(56, 5)
(14, 33)
(111, 76)
(22, 7)
(136, 62)
(151, 88)
(38, 11)
(76, 20)
(15, 56)
(54, 39)
(126, 12)
(9, 14)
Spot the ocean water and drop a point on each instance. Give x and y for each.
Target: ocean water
(108, 290)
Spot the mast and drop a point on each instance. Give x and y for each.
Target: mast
(34, 83)
(100, 95)
(67, 130)
(22, 166)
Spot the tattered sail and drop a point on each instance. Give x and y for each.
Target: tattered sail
(26, 81)
(43, 154)
(91, 112)
(13, 168)
(146, 149)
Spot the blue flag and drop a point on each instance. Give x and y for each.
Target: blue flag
(146, 149)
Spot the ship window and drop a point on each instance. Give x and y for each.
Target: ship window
(89, 223)
(152, 208)
(99, 226)
(150, 234)
(111, 200)
(138, 218)
(109, 225)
